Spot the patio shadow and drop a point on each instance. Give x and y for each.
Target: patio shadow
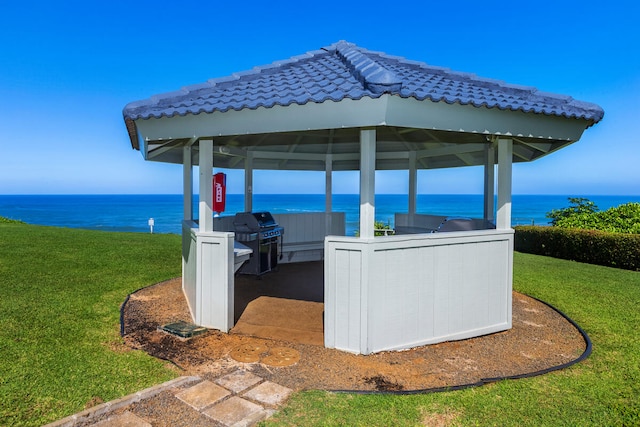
(286, 304)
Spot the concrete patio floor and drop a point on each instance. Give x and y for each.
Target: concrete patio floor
(286, 304)
(300, 281)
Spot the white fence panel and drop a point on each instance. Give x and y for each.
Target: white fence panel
(208, 276)
(403, 291)
(189, 269)
(304, 234)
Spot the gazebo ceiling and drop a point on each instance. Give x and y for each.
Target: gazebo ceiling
(307, 150)
(292, 114)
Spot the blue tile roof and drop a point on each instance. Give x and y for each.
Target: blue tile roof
(344, 70)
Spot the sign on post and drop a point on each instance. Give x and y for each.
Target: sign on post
(219, 192)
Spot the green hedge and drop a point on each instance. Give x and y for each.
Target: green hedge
(590, 246)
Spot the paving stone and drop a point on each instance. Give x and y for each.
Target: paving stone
(105, 408)
(236, 412)
(238, 381)
(127, 419)
(269, 393)
(202, 395)
(214, 401)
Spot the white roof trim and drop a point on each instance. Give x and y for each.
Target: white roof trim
(387, 110)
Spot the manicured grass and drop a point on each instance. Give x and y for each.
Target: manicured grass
(604, 390)
(60, 294)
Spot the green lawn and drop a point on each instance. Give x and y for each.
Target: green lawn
(60, 292)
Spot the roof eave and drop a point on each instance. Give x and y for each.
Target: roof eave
(386, 110)
(133, 133)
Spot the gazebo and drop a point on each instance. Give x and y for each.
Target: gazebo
(341, 108)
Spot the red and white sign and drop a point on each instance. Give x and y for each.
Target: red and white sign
(219, 192)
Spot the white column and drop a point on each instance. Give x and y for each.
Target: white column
(367, 182)
(505, 159)
(187, 183)
(328, 190)
(206, 185)
(489, 182)
(413, 186)
(248, 182)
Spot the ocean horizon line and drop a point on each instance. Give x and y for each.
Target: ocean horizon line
(322, 194)
(132, 212)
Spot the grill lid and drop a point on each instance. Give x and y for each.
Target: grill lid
(253, 221)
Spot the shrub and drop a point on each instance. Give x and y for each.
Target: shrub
(590, 246)
(583, 213)
(622, 219)
(380, 229)
(578, 206)
(4, 220)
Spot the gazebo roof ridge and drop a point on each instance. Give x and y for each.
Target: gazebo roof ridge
(373, 76)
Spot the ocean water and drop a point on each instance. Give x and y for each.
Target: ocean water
(132, 212)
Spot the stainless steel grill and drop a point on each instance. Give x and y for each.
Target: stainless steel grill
(260, 232)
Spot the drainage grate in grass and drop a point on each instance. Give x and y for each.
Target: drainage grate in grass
(183, 329)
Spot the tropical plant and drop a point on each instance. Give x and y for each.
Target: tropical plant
(381, 229)
(577, 206)
(621, 219)
(583, 213)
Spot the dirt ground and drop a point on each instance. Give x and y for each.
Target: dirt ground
(540, 338)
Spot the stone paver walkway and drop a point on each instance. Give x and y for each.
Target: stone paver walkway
(238, 399)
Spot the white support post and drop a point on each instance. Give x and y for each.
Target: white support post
(328, 190)
(248, 182)
(367, 182)
(413, 186)
(489, 182)
(206, 186)
(505, 159)
(187, 183)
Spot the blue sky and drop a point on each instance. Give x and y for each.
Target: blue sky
(68, 68)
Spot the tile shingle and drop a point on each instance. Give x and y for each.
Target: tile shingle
(344, 70)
